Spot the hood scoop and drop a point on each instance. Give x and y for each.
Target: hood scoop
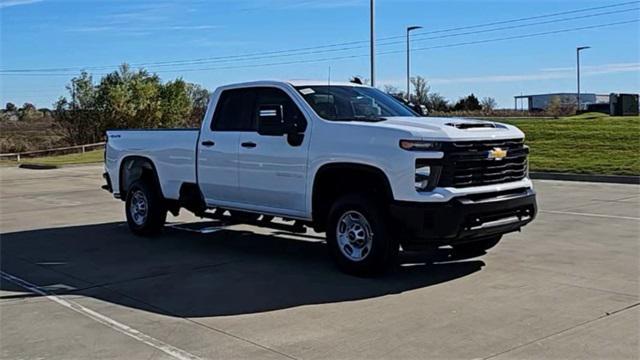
(475, 125)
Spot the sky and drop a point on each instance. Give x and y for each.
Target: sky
(217, 42)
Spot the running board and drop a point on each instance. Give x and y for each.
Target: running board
(297, 227)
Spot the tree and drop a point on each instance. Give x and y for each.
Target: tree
(175, 104)
(421, 96)
(488, 103)
(10, 107)
(125, 98)
(390, 89)
(28, 112)
(437, 102)
(557, 108)
(82, 91)
(28, 107)
(469, 103)
(199, 100)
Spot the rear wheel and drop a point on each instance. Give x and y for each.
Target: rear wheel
(145, 209)
(479, 246)
(359, 236)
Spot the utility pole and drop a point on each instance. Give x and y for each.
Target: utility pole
(373, 41)
(409, 61)
(578, 71)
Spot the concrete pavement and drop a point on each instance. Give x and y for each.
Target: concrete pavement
(76, 284)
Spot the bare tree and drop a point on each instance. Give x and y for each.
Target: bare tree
(421, 96)
(437, 102)
(488, 103)
(390, 89)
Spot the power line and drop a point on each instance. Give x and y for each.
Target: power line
(519, 36)
(414, 40)
(522, 36)
(415, 49)
(337, 47)
(402, 41)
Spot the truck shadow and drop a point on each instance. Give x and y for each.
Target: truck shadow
(185, 274)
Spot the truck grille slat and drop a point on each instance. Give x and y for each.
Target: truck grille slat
(467, 163)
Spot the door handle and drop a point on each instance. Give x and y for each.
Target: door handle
(248, 144)
(208, 143)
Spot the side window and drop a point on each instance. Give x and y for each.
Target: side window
(234, 111)
(274, 96)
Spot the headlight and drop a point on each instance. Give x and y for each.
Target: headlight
(419, 145)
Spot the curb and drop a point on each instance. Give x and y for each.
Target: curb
(614, 179)
(37, 166)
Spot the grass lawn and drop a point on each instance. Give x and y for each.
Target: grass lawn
(94, 156)
(589, 143)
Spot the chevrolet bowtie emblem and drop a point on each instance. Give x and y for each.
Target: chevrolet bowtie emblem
(497, 154)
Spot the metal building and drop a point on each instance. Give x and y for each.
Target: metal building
(540, 102)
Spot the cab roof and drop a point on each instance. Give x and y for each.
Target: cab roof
(294, 83)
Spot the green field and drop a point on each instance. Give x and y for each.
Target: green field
(88, 157)
(590, 143)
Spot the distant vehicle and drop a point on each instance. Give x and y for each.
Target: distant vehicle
(344, 159)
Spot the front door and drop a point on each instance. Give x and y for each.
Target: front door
(272, 170)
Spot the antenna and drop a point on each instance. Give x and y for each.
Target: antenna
(329, 77)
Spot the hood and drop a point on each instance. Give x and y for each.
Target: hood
(440, 128)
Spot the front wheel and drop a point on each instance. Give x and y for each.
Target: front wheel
(359, 236)
(146, 212)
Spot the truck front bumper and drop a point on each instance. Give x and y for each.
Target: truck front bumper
(464, 218)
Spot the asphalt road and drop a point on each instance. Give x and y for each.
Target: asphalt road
(75, 284)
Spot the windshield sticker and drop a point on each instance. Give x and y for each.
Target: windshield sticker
(307, 91)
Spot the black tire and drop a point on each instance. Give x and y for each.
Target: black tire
(477, 247)
(383, 247)
(156, 213)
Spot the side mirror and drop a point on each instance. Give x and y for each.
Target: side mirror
(271, 120)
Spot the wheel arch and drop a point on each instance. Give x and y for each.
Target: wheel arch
(335, 179)
(133, 168)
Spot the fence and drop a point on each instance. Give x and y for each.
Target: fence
(57, 151)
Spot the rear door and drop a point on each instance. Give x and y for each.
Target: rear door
(219, 144)
(272, 170)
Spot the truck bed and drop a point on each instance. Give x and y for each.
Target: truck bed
(173, 151)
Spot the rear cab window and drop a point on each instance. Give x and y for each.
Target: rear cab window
(234, 111)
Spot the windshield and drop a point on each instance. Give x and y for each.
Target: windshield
(345, 103)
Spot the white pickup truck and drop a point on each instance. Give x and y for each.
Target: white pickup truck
(344, 159)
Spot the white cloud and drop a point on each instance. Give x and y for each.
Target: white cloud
(598, 68)
(9, 3)
(141, 30)
(253, 5)
(543, 74)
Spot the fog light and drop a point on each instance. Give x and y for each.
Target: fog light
(422, 177)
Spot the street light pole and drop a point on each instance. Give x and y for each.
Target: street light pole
(372, 16)
(578, 70)
(409, 61)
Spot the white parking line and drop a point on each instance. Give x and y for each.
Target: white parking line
(591, 215)
(94, 315)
